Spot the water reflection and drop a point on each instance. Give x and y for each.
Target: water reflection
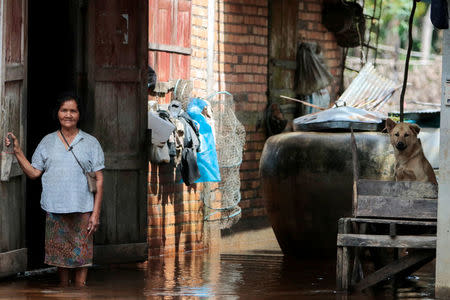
(214, 276)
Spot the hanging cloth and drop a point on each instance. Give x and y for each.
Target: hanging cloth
(311, 74)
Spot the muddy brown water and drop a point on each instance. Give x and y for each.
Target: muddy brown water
(214, 276)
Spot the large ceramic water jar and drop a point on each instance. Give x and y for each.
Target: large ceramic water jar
(307, 184)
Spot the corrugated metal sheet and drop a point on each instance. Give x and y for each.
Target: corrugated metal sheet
(369, 90)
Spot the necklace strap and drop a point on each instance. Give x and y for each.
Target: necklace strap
(70, 147)
(70, 150)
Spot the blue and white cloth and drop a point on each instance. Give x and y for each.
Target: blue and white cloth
(64, 184)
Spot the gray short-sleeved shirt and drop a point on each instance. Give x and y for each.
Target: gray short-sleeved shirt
(64, 185)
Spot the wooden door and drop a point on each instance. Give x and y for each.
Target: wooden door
(13, 45)
(117, 116)
(282, 53)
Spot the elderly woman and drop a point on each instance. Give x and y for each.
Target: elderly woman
(73, 212)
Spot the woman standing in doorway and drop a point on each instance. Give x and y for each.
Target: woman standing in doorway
(73, 212)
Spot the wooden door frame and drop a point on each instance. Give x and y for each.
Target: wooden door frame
(15, 260)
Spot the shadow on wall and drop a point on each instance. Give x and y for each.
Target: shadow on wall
(177, 225)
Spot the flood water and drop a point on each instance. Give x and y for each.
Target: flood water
(213, 276)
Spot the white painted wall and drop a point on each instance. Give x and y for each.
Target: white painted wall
(443, 234)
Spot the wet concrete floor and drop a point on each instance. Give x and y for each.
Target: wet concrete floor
(213, 276)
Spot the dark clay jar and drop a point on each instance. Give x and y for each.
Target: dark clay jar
(307, 182)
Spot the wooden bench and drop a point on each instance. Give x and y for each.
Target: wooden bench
(386, 214)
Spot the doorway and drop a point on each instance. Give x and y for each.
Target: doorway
(55, 65)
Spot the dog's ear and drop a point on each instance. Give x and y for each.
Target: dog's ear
(415, 128)
(390, 124)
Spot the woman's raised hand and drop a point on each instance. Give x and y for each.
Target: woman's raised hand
(14, 139)
(26, 166)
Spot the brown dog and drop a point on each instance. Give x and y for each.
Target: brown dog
(412, 164)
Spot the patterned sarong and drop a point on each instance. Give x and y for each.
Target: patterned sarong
(66, 241)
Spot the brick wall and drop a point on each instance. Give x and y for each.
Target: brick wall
(175, 213)
(241, 69)
(241, 66)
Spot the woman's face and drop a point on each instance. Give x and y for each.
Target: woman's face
(68, 114)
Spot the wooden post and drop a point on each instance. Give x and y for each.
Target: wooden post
(343, 268)
(355, 173)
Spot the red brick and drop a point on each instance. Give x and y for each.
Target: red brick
(155, 242)
(262, 11)
(249, 175)
(153, 188)
(154, 210)
(308, 16)
(199, 21)
(314, 7)
(250, 165)
(198, 10)
(257, 212)
(153, 199)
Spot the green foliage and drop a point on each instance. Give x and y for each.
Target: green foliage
(394, 19)
(398, 11)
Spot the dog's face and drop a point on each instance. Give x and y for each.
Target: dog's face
(403, 135)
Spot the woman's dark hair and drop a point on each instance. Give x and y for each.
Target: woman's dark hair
(66, 96)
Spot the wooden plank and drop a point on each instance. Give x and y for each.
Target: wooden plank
(406, 262)
(142, 204)
(283, 29)
(127, 207)
(339, 264)
(408, 189)
(169, 48)
(16, 207)
(12, 206)
(117, 33)
(392, 230)
(16, 170)
(395, 221)
(357, 272)
(13, 262)
(120, 253)
(14, 72)
(129, 106)
(343, 268)
(396, 207)
(106, 116)
(355, 166)
(183, 24)
(116, 74)
(180, 64)
(123, 162)
(6, 162)
(372, 240)
(283, 63)
(14, 31)
(107, 232)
